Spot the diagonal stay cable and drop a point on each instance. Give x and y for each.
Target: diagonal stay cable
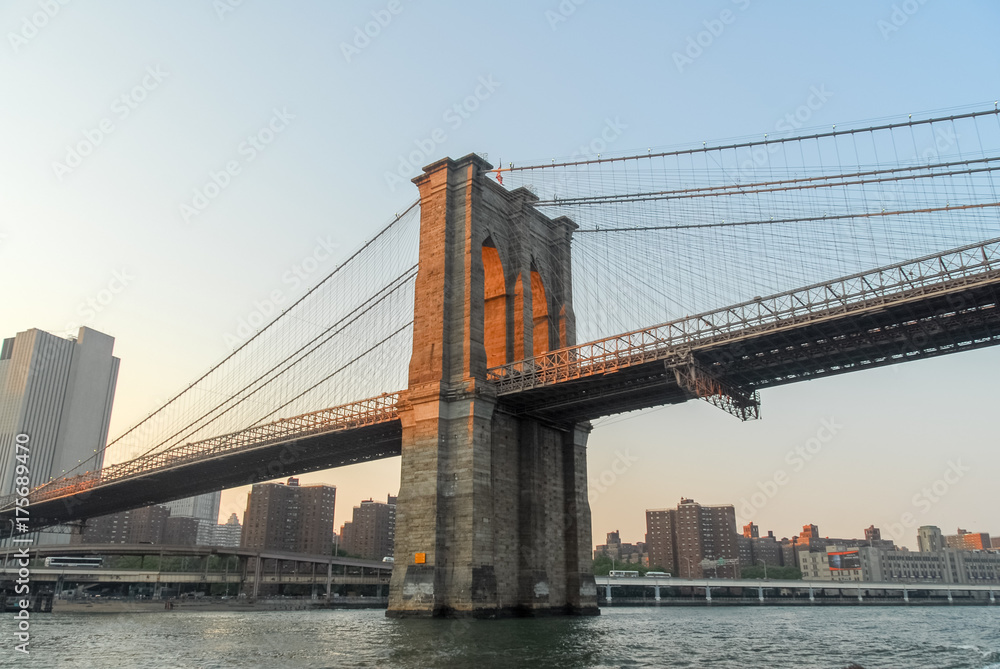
(337, 328)
(335, 372)
(381, 233)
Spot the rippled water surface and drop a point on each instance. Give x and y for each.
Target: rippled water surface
(834, 637)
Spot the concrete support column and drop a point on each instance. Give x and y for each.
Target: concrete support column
(708, 594)
(906, 596)
(812, 595)
(607, 592)
(492, 516)
(656, 588)
(993, 598)
(760, 593)
(950, 599)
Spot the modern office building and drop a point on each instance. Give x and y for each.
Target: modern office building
(694, 540)
(290, 517)
(202, 508)
(59, 392)
(371, 532)
(227, 534)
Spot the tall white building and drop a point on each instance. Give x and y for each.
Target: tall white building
(224, 535)
(204, 508)
(59, 392)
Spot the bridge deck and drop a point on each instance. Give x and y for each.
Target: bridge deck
(344, 435)
(714, 583)
(923, 308)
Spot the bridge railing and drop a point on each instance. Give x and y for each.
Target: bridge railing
(369, 411)
(929, 274)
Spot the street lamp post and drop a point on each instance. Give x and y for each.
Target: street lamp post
(689, 566)
(765, 568)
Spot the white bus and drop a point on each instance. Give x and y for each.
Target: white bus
(627, 574)
(74, 561)
(658, 574)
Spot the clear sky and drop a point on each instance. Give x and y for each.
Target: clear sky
(159, 95)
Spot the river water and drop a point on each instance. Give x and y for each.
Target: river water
(720, 638)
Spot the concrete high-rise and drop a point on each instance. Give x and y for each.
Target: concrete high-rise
(686, 539)
(290, 517)
(227, 534)
(371, 532)
(204, 509)
(59, 392)
(929, 539)
(964, 540)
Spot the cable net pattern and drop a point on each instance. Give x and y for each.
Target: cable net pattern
(667, 234)
(347, 339)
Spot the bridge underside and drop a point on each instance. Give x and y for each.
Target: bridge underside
(229, 470)
(918, 327)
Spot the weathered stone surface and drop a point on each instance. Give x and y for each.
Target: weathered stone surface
(495, 503)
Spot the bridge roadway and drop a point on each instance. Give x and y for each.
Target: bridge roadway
(608, 582)
(168, 550)
(318, 569)
(919, 309)
(140, 576)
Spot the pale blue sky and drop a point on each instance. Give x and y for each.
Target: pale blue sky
(346, 120)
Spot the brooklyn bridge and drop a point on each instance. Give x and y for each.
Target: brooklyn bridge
(480, 331)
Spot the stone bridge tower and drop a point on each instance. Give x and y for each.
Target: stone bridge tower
(492, 516)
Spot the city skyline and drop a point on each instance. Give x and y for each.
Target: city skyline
(110, 244)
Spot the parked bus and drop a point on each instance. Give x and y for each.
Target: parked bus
(74, 561)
